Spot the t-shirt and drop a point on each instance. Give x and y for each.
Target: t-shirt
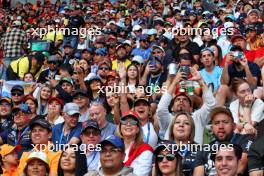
(213, 77)
(203, 157)
(256, 155)
(108, 130)
(150, 136)
(233, 73)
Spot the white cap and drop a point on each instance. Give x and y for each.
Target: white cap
(38, 155)
(152, 31)
(111, 22)
(71, 108)
(138, 59)
(127, 42)
(16, 23)
(136, 27)
(228, 25)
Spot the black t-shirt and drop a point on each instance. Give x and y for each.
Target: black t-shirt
(254, 69)
(75, 22)
(256, 155)
(203, 158)
(155, 84)
(188, 161)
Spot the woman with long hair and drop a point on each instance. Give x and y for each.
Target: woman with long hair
(42, 95)
(138, 153)
(247, 110)
(132, 80)
(167, 162)
(72, 162)
(182, 132)
(32, 104)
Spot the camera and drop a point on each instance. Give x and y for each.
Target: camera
(238, 55)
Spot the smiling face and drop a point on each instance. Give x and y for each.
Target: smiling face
(68, 160)
(5, 109)
(128, 128)
(45, 93)
(40, 135)
(167, 167)
(182, 128)
(143, 110)
(36, 167)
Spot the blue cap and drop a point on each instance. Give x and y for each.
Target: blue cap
(143, 37)
(230, 17)
(22, 107)
(101, 51)
(90, 124)
(115, 141)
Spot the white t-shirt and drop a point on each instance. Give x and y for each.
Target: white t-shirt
(148, 130)
(256, 111)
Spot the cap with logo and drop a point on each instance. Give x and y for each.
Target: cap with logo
(90, 124)
(66, 79)
(22, 107)
(41, 122)
(130, 113)
(71, 109)
(115, 141)
(7, 149)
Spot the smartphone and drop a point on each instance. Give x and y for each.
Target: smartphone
(238, 55)
(186, 70)
(152, 62)
(57, 77)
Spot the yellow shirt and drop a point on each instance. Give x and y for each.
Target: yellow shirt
(53, 159)
(51, 35)
(115, 64)
(12, 172)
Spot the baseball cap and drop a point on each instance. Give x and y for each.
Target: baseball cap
(139, 59)
(152, 32)
(101, 51)
(42, 122)
(30, 97)
(38, 155)
(17, 88)
(22, 107)
(6, 99)
(143, 37)
(115, 141)
(127, 42)
(130, 113)
(53, 58)
(16, 23)
(57, 100)
(159, 47)
(120, 46)
(71, 108)
(229, 16)
(91, 77)
(253, 11)
(80, 92)
(6, 149)
(220, 109)
(236, 36)
(112, 73)
(136, 28)
(229, 25)
(67, 45)
(66, 79)
(90, 124)
(250, 27)
(142, 99)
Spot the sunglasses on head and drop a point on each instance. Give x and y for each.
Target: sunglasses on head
(131, 122)
(169, 157)
(16, 94)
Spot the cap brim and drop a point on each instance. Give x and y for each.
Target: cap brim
(142, 100)
(73, 112)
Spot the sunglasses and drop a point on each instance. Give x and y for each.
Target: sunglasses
(169, 157)
(131, 122)
(103, 68)
(52, 62)
(91, 132)
(16, 94)
(79, 97)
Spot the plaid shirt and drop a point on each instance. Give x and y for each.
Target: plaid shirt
(13, 41)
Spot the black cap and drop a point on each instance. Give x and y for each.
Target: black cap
(67, 45)
(42, 122)
(80, 92)
(39, 56)
(90, 124)
(17, 88)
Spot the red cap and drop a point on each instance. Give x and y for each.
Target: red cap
(113, 74)
(56, 99)
(131, 114)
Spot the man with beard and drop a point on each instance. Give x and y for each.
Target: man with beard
(240, 68)
(223, 127)
(103, 70)
(122, 57)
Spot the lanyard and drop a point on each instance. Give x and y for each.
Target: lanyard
(156, 82)
(184, 152)
(148, 134)
(233, 138)
(62, 134)
(91, 160)
(17, 137)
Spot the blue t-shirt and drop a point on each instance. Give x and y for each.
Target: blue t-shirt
(58, 136)
(213, 77)
(141, 52)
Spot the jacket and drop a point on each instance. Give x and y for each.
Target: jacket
(126, 171)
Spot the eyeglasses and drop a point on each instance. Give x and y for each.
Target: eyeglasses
(112, 151)
(16, 94)
(103, 68)
(131, 122)
(169, 157)
(91, 132)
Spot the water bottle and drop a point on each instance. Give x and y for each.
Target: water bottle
(190, 88)
(182, 86)
(172, 68)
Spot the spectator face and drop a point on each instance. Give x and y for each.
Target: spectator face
(142, 109)
(32, 106)
(21, 119)
(95, 85)
(103, 70)
(157, 53)
(111, 81)
(5, 109)
(40, 135)
(226, 162)
(71, 120)
(110, 99)
(11, 159)
(67, 50)
(240, 42)
(121, 53)
(182, 38)
(83, 63)
(86, 55)
(91, 136)
(182, 128)
(53, 65)
(81, 101)
(166, 167)
(207, 58)
(253, 17)
(129, 127)
(132, 72)
(138, 32)
(68, 160)
(54, 107)
(28, 78)
(67, 87)
(181, 103)
(222, 126)
(45, 93)
(251, 34)
(185, 62)
(144, 44)
(111, 158)
(17, 96)
(243, 91)
(98, 113)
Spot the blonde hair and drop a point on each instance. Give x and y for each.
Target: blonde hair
(190, 119)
